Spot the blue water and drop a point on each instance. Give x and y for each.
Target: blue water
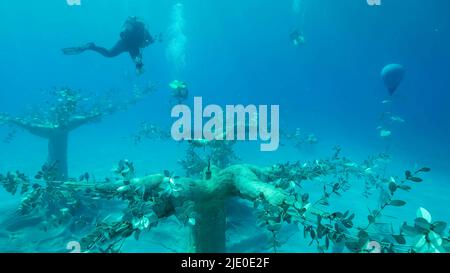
(239, 52)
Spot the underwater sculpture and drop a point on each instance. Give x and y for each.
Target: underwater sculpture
(67, 114)
(180, 91)
(198, 201)
(202, 153)
(275, 191)
(392, 76)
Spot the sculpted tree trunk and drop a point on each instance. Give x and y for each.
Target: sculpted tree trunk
(209, 228)
(57, 138)
(57, 153)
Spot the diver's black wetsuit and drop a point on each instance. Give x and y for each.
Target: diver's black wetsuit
(133, 38)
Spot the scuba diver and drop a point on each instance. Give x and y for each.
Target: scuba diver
(179, 91)
(297, 38)
(133, 38)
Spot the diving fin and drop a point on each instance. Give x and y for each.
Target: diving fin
(73, 50)
(77, 50)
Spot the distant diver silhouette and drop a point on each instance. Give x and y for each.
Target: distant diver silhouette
(133, 38)
(297, 38)
(392, 75)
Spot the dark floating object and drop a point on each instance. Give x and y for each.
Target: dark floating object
(392, 75)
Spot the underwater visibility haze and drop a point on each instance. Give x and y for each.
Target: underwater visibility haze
(357, 98)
